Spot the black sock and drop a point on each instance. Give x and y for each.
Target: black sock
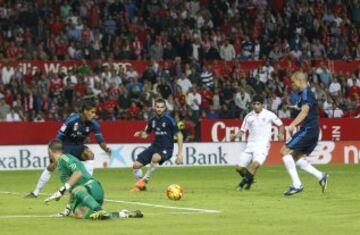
(249, 177)
(243, 172)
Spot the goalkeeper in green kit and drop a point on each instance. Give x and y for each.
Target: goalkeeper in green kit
(86, 193)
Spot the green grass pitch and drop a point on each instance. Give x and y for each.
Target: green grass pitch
(263, 210)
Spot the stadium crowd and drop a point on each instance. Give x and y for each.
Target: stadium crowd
(177, 37)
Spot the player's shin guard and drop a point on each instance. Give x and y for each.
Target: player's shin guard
(291, 169)
(44, 178)
(86, 199)
(138, 174)
(149, 171)
(89, 165)
(306, 166)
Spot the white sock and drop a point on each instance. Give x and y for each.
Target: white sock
(150, 170)
(89, 165)
(291, 169)
(306, 166)
(138, 174)
(44, 178)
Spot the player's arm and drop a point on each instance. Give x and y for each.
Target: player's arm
(74, 178)
(238, 135)
(145, 133)
(300, 117)
(100, 138)
(277, 122)
(141, 134)
(244, 127)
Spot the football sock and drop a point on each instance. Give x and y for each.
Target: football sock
(89, 165)
(306, 166)
(248, 179)
(150, 170)
(86, 199)
(44, 178)
(291, 169)
(242, 172)
(138, 174)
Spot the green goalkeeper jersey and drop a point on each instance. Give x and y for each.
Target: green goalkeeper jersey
(67, 165)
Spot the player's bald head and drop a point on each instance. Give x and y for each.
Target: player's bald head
(299, 81)
(299, 76)
(56, 146)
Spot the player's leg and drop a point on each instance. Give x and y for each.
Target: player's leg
(306, 166)
(83, 212)
(241, 170)
(90, 196)
(44, 178)
(244, 160)
(258, 159)
(288, 156)
(155, 159)
(143, 159)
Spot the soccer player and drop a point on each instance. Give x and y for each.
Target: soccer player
(86, 193)
(164, 127)
(305, 140)
(73, 133)
(258, 123)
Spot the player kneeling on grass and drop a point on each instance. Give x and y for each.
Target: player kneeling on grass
(258, 122)
(86, 193)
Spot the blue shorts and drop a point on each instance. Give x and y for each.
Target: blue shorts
(75, 149)
(305, 140)
(145, 156)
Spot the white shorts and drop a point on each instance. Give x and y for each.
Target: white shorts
(248, 156)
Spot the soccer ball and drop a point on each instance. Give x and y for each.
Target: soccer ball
(174, 192)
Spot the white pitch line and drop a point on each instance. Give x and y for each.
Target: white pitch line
(165, 207)
(140, 204)
(26, 216)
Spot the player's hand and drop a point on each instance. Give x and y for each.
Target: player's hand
(108, 151)
(179, 159)
(138, 134)
(232, 137)
(54, 197)
(58, 194)
(290, 128)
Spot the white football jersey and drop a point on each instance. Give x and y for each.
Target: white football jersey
(259, 127)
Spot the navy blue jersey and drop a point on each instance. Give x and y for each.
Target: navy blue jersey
(75, 131)
(312, 119)
(164, 128)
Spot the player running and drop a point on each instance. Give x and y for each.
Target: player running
(258, 122)
(305, 140)
(161, 150)
(73, 133)
(86, 193)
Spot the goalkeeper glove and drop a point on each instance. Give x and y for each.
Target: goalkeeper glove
(58, 194)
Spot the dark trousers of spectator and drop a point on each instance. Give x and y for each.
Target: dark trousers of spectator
(195, 116)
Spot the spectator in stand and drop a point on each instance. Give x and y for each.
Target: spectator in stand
(193, 100)
(283, 112)
(184, 83)
(4, 109)
(324, 74)
(227, 51)
(242, 101)
(13, 116)
(335, 87)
